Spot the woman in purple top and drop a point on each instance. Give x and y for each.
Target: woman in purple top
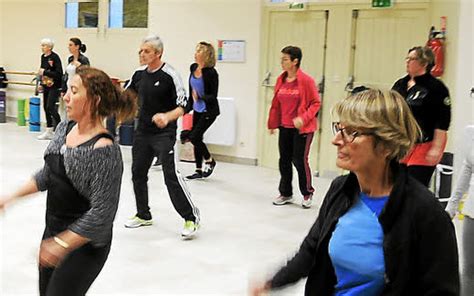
(203, 87)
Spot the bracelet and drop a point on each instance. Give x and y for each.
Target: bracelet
(61, 242)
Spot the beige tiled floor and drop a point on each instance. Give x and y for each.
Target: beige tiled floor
(243, 236)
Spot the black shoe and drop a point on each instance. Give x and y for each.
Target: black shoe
(209, 168)
(196, 175)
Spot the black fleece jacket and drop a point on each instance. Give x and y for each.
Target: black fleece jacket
(419, 245)
(211, 87)
(429, 102)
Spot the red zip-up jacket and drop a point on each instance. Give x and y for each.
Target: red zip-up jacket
(310, 103)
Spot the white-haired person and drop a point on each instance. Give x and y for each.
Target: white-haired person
(162, 98)
(379, 231)
(51, 73)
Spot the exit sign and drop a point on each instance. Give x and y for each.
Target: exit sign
(382, 3)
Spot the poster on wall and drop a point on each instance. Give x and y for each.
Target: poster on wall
(232, 51)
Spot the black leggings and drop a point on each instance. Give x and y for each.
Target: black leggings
(75, 274)
(201, 122)
(50, 98)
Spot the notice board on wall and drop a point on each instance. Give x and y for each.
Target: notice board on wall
(232, 51)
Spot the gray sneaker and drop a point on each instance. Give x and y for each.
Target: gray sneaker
(189, 230)
(135, 222)
(307, 201)
(282, 200)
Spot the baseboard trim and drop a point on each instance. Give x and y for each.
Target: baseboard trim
(235, 159)
(218, 157)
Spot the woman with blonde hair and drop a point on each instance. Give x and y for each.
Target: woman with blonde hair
(203, 87)
(379, 231)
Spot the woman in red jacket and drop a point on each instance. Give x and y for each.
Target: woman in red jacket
(294, 107)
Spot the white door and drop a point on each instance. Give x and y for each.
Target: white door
(380, 41)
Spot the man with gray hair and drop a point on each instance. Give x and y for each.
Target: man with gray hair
(51, 73)
(162, 100)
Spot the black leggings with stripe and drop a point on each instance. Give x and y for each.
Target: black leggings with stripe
(294, 149)
(145, 148)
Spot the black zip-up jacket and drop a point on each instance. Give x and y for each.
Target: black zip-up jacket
(82, 59)
(429, 102)
(211, 87)
(419, 244)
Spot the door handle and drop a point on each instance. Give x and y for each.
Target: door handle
(321, 85)
(472, 92)
(266, 80)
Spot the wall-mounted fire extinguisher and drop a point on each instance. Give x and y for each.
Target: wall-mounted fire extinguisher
(436, 41)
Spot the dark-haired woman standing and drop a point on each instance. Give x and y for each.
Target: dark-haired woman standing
(76, 48)
(82, 174)
(293, 112)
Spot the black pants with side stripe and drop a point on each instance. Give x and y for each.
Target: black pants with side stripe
(294, 149)
(145, 147)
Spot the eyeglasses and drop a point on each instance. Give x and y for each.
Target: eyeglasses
(348, 133)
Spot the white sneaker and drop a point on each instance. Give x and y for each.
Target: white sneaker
(282, 200)
(307, 201)
(47, 135)
(189, 230)
(136, 222)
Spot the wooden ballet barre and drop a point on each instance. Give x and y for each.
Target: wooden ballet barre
(20, 73)
(20, 83)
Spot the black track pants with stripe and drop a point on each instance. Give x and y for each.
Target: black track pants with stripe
(145, 147)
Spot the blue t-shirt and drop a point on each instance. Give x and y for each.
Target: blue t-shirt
(356, 249)
(197, 84)
(376, 204)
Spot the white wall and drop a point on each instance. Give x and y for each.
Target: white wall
(464, 104)
(181, 24)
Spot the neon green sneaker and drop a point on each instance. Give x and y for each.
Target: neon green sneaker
(189, 230)
(135, 222)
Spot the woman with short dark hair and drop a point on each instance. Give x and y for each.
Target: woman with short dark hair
(293, 112)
